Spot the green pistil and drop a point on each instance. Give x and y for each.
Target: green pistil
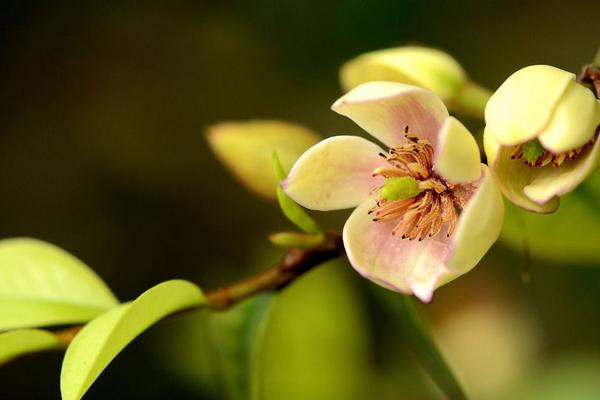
(533, 150)
(399, 188)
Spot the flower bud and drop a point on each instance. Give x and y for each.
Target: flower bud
(421, 66)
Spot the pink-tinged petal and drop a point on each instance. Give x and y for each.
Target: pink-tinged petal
(385, 109)
(456, 156)
(401, 265)
(478, 226)
(334, 174)
(513, 176)
(559, 181)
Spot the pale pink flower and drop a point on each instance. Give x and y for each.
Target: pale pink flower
(427, 209)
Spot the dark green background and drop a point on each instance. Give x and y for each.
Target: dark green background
(103, 107)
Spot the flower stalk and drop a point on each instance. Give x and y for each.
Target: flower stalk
(471, 100)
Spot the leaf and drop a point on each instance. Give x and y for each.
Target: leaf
(102, 339)
(316, 343)
(226, 341)
(238, 334)
(290, 209)
(567, 236)
(24, 341)
(41, 285)
(246, 148)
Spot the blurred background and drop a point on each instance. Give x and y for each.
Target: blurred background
(103, 110)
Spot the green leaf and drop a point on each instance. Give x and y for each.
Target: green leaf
(24, 341)
(567, 236)
(41, 285)
(238, 334)
(408, 322)
(316, 343)
(426, 350)
(246, 148)
(291, 210)
(596, 60)
(102, 339)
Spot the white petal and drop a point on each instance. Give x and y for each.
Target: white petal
(335, 173)
(457, 154)
(523, 104)
(559, 181)
(573, 122)
(479, 225)
(513, 176)
(385, 109)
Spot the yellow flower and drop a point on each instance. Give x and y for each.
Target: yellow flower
(540, 136)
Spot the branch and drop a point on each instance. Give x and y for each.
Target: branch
(293, 264)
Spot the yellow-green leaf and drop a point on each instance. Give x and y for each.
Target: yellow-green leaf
(568, 236)
(23, 341)
(41, 285)
(102, 339)
(297, 240)
(246, 149)
(289, 207)
(316, 341)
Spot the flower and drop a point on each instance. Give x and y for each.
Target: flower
(428, 210)
(540, 136)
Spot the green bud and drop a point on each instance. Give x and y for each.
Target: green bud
(297, 239)
(399, 188)
(533, 150)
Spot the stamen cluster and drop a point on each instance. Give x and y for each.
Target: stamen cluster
(425, 214)
(547, 157)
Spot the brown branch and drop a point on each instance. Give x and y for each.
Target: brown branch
(293, 264)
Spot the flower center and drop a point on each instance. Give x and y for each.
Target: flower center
(413, 194)
(535, 155)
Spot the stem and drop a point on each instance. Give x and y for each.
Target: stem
(293, 264)
(471, 100)
(427, 352)
(296, 262)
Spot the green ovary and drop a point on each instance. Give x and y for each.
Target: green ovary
(533, 150)
(399, 188)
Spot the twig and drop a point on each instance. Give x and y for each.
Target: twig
(293, 264)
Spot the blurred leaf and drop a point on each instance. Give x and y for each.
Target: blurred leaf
(426, 350)
(290, 208)
(596, 60)
(41, 284)
(511, 343)
(297, 239)
(567, 377)
(23, 341)
(570, 235)
(246, 149)
(103, 338)
(316, 342)
(237, 333)
(213, 352)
